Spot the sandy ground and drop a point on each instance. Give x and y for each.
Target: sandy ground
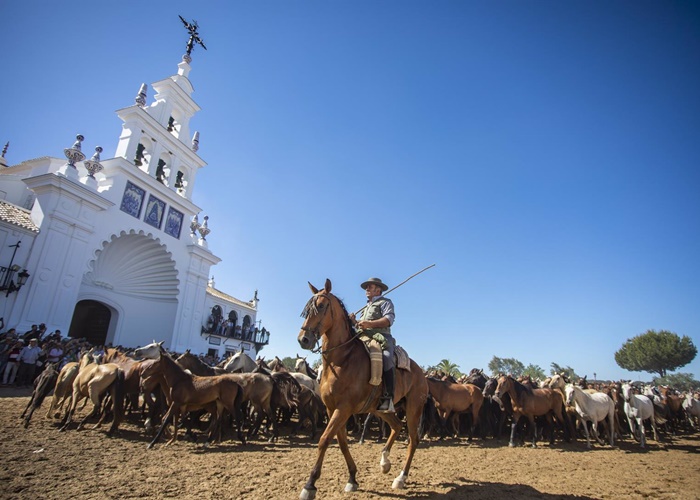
(41, 462)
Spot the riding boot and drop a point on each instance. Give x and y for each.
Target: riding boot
(387, 404)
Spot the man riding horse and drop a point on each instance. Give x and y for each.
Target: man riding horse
(376, 320)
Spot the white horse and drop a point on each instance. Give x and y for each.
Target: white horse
(592, 408)
(638, 408)
(240, 362)
(304, 375)
(692, 408)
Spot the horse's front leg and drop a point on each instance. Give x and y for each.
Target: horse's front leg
(336, 421)
(352, 468)
(585, 430)
(642, 432)
(513, 427)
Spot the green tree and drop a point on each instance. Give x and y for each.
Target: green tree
(566, 370)
(506, 365)
(448, 367)
(679, 381)
(289, 363)
(656, 352)
(535, 371)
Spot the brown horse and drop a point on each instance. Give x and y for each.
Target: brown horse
(196, 366)
(345, 388)
(43, 385)
(451, 400)
(188, 392)
(531, 403)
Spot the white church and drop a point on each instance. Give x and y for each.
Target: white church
(113, 250)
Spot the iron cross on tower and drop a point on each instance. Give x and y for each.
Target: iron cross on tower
(194, 36)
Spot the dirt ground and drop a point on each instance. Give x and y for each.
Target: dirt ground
(41, 462)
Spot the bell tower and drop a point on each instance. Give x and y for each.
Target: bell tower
(156, 138)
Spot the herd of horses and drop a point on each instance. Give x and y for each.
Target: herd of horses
(243, 394)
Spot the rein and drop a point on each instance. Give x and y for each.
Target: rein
(312, 309)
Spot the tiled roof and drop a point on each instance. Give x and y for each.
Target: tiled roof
(17, 216)
(222, 295)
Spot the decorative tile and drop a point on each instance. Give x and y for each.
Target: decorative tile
(132, 201)
(173, 223)
(155, 209)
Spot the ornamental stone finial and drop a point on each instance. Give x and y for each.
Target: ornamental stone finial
(195, 142)
(74, 153)
(204, 228)
(93, 165)
(194, 225)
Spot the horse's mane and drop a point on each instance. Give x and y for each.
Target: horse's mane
(520, 388)
(311, 309)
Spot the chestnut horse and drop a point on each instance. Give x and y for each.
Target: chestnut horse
(345, 388)
(453, 399)
(531, 403)
(188, 392)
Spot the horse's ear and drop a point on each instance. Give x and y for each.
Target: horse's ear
(314, 290)
(161, 343)
(327, 287)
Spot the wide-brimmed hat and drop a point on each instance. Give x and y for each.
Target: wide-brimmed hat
(374, 281)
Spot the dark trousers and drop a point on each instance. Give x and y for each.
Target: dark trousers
(25, 373)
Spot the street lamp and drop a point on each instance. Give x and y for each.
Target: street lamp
(7, 273)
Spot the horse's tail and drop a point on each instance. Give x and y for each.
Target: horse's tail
(428, 416)
(118, 400)
(661, 414)
(287, 388)
(45, 383)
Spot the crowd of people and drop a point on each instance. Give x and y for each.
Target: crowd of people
(23, 355)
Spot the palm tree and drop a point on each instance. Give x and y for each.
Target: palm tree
(449, 368)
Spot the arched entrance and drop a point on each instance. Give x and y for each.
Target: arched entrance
(90, 321)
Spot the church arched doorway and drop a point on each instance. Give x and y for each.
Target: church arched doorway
(90, 321)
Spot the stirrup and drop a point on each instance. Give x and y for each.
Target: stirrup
(386, 406)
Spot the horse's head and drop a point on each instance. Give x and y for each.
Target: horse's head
(151, 351)
(626, 391)
(239, 362)
(318, 316)
(570, 392)
(556, 382)
(300, 364)
(505, 384)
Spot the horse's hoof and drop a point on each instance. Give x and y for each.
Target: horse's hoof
(511, 445)
(399, 483)
(350, 487)
(307, 494)
(384, 463)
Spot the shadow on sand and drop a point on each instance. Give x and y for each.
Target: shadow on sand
(482, 490)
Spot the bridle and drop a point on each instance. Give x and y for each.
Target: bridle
(311, 309)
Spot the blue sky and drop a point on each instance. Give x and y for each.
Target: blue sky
(544, 155)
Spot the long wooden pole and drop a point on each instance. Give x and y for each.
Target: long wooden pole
(403, 282)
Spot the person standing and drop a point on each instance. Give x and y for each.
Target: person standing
(28, 357)
(377, 318)
(12, 365)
